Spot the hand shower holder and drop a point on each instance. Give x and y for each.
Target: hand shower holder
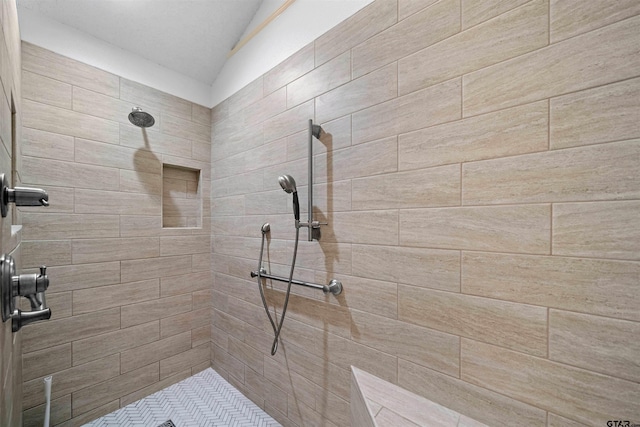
(334, 286)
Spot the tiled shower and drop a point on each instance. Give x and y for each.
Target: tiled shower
(478, 172)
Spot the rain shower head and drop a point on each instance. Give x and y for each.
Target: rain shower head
(288, 184)
(140, 118)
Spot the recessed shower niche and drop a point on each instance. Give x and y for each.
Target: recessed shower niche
(181, 197)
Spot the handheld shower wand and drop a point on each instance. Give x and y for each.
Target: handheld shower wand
(288, 184)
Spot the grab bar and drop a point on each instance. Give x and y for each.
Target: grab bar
(334, 286)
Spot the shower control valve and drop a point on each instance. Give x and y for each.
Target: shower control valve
(29, 284)
(23, 318)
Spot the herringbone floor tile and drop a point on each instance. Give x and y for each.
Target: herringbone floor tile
(203, 400)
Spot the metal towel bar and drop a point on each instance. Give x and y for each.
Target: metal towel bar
(334, 286)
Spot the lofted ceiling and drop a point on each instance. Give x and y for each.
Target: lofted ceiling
(191, 37)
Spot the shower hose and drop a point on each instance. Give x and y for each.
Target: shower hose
(277, 329)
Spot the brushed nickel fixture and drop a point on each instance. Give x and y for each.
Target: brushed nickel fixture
(21, 196)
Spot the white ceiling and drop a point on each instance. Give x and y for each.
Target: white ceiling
(191, 37)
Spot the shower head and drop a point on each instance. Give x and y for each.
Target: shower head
(140, 118)
(316, 130)
(287, 183)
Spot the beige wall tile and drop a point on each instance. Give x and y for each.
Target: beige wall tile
(72, 379)
(519, 31)
(185, 322)
(93, 415)
(554, 420)
(60, 411)
(427, 187)
(153, 140)
(382, 157)
(89, 300)
(601, 287)
(68, 174)
(59, 120)
(45, 90)
(388, 418)
(38, 143)
(598, 229)
(358, 94)
(169, 104)
(148, 311)
(185, 283)
(200, 262)
(373, 227)
(575, 64)
(184, 245)
(160, 385)
(106, 107)
(603, 114)
(259, 111)
(65, 226)
(432, 268)
(114, 156)
(373, 296)
(409, 7)
(422, 29)
(201, 150)
(113, 202)
(46, 252)
(201, 335)
(140, 182)
(45, 362)
(228, 363)
(517, 326)
(246, 96)
(517, 228)
(550, 385)
(92, 397)
(568, 20)
(428, 107)
(359, 27)
(324, 78)
(149, 353)
(200, 114)
(426, 347)
(478, 403)
(56, 332)
(92, 348)
(247, 354)
(474, 12)
(184, 128)
(46, 63)
(603, 171)
(98, 250)
(71, 277)
(595, 343)
(290, 69)
(517, 130)
(289, 122)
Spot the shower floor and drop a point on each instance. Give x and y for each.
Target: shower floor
(203, 400)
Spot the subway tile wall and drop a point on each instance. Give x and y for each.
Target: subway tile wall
(131, 300)
(479, 174)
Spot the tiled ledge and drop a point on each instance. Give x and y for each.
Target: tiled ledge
(378, 403)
